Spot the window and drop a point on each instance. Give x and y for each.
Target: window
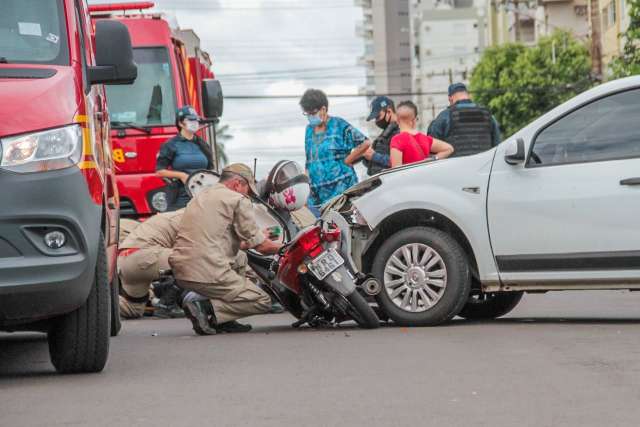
(609, 14)
(605, 129)
(33, 32)
(623, 8)
(151, 100)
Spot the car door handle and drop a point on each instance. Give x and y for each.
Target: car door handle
(630, 181)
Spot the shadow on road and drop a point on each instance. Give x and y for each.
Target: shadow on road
(24, 355)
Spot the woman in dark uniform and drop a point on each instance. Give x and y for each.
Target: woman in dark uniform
(183, 154)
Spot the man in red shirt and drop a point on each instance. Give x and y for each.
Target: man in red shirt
(411, 146)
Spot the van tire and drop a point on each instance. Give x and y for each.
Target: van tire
(490, 305)
(458, 279)
(79, 341)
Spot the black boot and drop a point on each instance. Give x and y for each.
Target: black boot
(201, 315)
(232, 327)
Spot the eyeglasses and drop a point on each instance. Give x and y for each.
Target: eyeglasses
(309, 113)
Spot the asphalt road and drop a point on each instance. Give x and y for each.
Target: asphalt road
(564, 359)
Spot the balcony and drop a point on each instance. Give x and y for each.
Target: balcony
(364, 30)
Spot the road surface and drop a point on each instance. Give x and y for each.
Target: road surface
(560, 359)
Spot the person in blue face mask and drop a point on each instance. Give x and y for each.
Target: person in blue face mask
(332, 146)
(182, 155)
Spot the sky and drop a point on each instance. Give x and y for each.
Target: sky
(276, 47)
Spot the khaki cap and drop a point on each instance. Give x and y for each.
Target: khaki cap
(245, 172)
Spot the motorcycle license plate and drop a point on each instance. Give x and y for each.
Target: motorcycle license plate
(325, 264)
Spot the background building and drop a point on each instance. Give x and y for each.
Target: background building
(387, 39)
(448, 38)
(614, 19)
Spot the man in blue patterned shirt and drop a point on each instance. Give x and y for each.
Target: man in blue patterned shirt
(332, 146)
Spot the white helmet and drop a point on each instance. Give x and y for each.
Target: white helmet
(287, 186)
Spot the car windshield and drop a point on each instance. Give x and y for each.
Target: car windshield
(33, 32)
(151, 100)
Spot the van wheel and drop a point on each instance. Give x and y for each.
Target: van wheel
(116, 323)
(425, 277)
(490, 305)
(79, 341)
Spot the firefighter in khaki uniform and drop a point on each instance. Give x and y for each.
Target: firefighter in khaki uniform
(216, 225)
(143, 254)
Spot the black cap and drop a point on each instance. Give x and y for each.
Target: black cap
(457, 87)
(186, 112)
(377, 105)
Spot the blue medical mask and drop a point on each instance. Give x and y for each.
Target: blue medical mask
(314, 120)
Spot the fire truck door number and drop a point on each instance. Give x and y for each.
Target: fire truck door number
(118, 155)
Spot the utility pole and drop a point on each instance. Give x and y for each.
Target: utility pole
(516, 9)
(596, 39)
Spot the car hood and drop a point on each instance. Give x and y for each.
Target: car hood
(422, 185)
(30, 104)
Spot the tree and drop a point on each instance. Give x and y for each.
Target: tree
(628, 63)
(222, 136)
(519, 83)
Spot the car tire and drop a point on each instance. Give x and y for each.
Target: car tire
(79, 341)
(116, 322)
(490, 305)
(450, 262)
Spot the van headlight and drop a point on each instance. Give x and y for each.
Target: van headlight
(42, 151)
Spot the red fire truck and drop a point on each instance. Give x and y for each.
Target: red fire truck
(172, 70)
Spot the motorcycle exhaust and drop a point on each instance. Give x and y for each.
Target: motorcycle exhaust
(371, 287)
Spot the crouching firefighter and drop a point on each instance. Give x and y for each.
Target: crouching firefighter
(468, 127)
(144, 253)
(215, 226)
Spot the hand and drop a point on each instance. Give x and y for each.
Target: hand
(369, 153)
(184, 177)
(244, 246)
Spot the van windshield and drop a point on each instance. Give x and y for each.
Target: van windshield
(33, 32)
(151, 100)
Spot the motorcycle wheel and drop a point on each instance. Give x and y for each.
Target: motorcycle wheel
(360, 310)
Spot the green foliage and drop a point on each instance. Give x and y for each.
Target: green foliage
(628, 63)
(519, 83)
(222, 137)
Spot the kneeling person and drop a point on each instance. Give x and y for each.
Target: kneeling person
(143, 254)
(215, 227)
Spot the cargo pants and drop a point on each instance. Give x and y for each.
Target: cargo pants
(137, 271)
(234, 295)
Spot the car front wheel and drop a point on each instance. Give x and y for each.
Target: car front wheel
(425, 276)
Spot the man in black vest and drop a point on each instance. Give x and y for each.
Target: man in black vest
(470, 128)
(377, 156)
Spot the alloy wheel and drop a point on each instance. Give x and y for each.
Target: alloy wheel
(415, 277)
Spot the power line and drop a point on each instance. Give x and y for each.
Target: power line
(496, 91)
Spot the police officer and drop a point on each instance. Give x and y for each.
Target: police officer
(215, 227)
(182, 155)
(143, 254)
(384, 112)
(468, 127)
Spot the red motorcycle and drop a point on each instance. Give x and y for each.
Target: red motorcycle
(312, 276)
(311, 280)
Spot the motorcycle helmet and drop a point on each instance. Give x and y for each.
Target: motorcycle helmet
(287, 186)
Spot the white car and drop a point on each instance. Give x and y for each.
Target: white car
(554, 207)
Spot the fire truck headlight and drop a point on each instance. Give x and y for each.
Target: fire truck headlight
(160, 201)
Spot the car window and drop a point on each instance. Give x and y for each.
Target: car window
(606, 129)
(33, 32)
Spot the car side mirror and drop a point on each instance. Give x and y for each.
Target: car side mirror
(212, 99)
(514, 152)
(114, 55)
